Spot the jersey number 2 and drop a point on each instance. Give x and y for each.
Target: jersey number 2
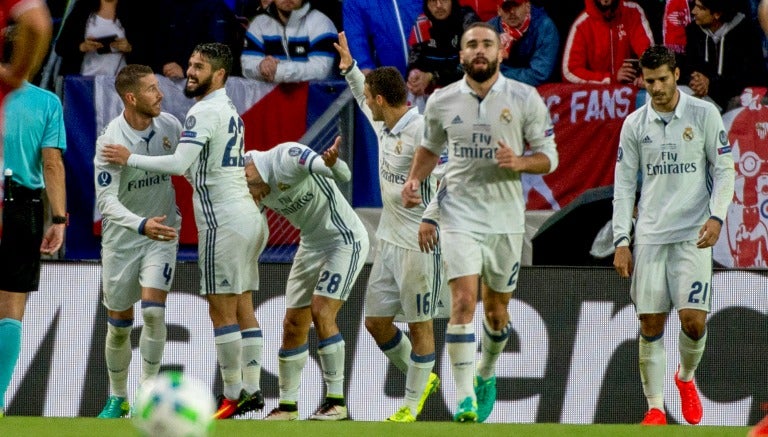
(234, 158)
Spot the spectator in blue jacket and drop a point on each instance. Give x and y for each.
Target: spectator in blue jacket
(378, 31)
(530, 40)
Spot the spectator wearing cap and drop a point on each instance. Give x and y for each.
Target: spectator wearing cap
(606, 34)
(529, 39)
(723, 52)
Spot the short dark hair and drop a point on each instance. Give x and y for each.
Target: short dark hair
(388, 83)
(656, 56)
(218, 55)
(727, 8)
(483, 25)
(128, 77)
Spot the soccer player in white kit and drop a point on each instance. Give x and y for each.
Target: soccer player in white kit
(487, 120)
(679, 146)
(297, 183)
(231, 231)
(404, 281)
(140, 229)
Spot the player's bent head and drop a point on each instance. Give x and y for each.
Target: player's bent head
(127, 79)
(389, 84)
(657, 56)
(218, 55)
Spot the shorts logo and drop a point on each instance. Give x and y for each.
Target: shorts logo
(225, 283)
(723, 138)
(620, 154)
(104, 179)
(294, 151)
(189, 123)
(688, 134)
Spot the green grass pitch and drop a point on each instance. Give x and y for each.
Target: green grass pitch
(65, 427)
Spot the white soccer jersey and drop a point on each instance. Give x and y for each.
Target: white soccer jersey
(127, 196)
(398, 225)
(217, 175)
(303, 191)
(475, 194)
(686, 168)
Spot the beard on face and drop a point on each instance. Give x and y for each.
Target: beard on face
(201, 90)
(478, 74)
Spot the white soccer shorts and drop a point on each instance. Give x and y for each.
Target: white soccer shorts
(495, 257)
(675, 274)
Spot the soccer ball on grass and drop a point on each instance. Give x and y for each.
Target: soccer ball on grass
(173, 405)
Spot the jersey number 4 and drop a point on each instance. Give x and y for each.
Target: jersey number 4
(234, 158)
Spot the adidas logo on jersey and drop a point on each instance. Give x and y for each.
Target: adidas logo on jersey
(647, 140)
(457, 120)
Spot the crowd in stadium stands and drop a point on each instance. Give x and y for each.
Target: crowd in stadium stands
(722, 44)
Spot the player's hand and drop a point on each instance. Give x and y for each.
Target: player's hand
(345, 56)
(708, 234)
(699, 84)
(622, 261)
(507, 158)
(331, 154)
(173, 70)
(428, 237)
(115, 154)
(53, 239)
(410, 193)
(154, 229)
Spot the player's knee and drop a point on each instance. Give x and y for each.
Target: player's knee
(294, 327)
(118, 334)
(153, 315)
(694, 329)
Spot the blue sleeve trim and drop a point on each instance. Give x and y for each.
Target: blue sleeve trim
(616, 243)
(141, 226)
(429, 221)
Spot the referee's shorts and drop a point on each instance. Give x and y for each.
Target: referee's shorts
(22, 236)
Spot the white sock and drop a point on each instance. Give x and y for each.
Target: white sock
(398, 350)
(460, 343)
(229, 352)
(492, 346)
(331, 352)
(152, 339)
(117, 352)
(253, 344)
(416, 380)
(653, 366)
(291, 362)
(690, 354)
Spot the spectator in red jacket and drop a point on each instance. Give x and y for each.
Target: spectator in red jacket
(606, 34)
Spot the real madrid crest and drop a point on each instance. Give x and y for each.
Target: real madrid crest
(688, 134)
(166, 143)
(282, 186)
(399, 147)
(506, 116)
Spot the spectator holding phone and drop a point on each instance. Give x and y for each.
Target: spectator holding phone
(95, 38)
